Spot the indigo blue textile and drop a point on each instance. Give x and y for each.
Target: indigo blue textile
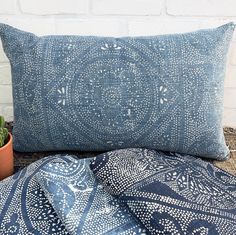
(59, 195)
(101, 93)
(170, 193)
(81, 203)
(24, 208)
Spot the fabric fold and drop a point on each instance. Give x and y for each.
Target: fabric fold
(80, 201)
(24, 208)
(170, 193)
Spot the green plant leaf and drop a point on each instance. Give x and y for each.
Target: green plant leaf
(1, 137)
(2, 122)
(5, 134)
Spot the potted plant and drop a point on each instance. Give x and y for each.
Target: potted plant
(6, 151)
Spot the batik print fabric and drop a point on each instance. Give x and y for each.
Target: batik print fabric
(59, 195)
(81, 203)
(102, 93)
(170, 193)
(24, 209)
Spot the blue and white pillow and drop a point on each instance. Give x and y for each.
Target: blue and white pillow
(170, 193)
(102, 93)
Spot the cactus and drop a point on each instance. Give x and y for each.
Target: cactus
(2, 122)
(3, 132)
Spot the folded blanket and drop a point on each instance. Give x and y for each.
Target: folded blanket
(147, 192)
(81, 203)
(59, 195)
(24, 209)
(169, 193)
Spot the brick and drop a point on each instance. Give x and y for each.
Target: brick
(229, 100)
(127, 7)
(5, 94)
(54, 7)
(91, 27)
(213, 22)
(201, 7)
(8, 7)
(229, 117)
(233, 54)
(7, 111)
(161, 26)
(172, 25)
(5, 74)
(43, 26)
(3, 57)
(230, 80)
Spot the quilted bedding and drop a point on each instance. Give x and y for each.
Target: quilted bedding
(129, 191)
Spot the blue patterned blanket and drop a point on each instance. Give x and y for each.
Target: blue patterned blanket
(170, 193)
(59, 195)
(129, 191)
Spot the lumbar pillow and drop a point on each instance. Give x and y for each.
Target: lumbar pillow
(170, 193)
(103, 93)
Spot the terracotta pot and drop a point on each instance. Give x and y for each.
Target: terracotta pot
(6, 159)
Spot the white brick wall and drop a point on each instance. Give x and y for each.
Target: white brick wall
(117, 18)
(201, 7)
(8, 7)
(127, 7)
(53, 7)
(105, 27)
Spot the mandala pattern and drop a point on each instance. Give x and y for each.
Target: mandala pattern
(170, 193)
(103, 93)
(59, 195)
